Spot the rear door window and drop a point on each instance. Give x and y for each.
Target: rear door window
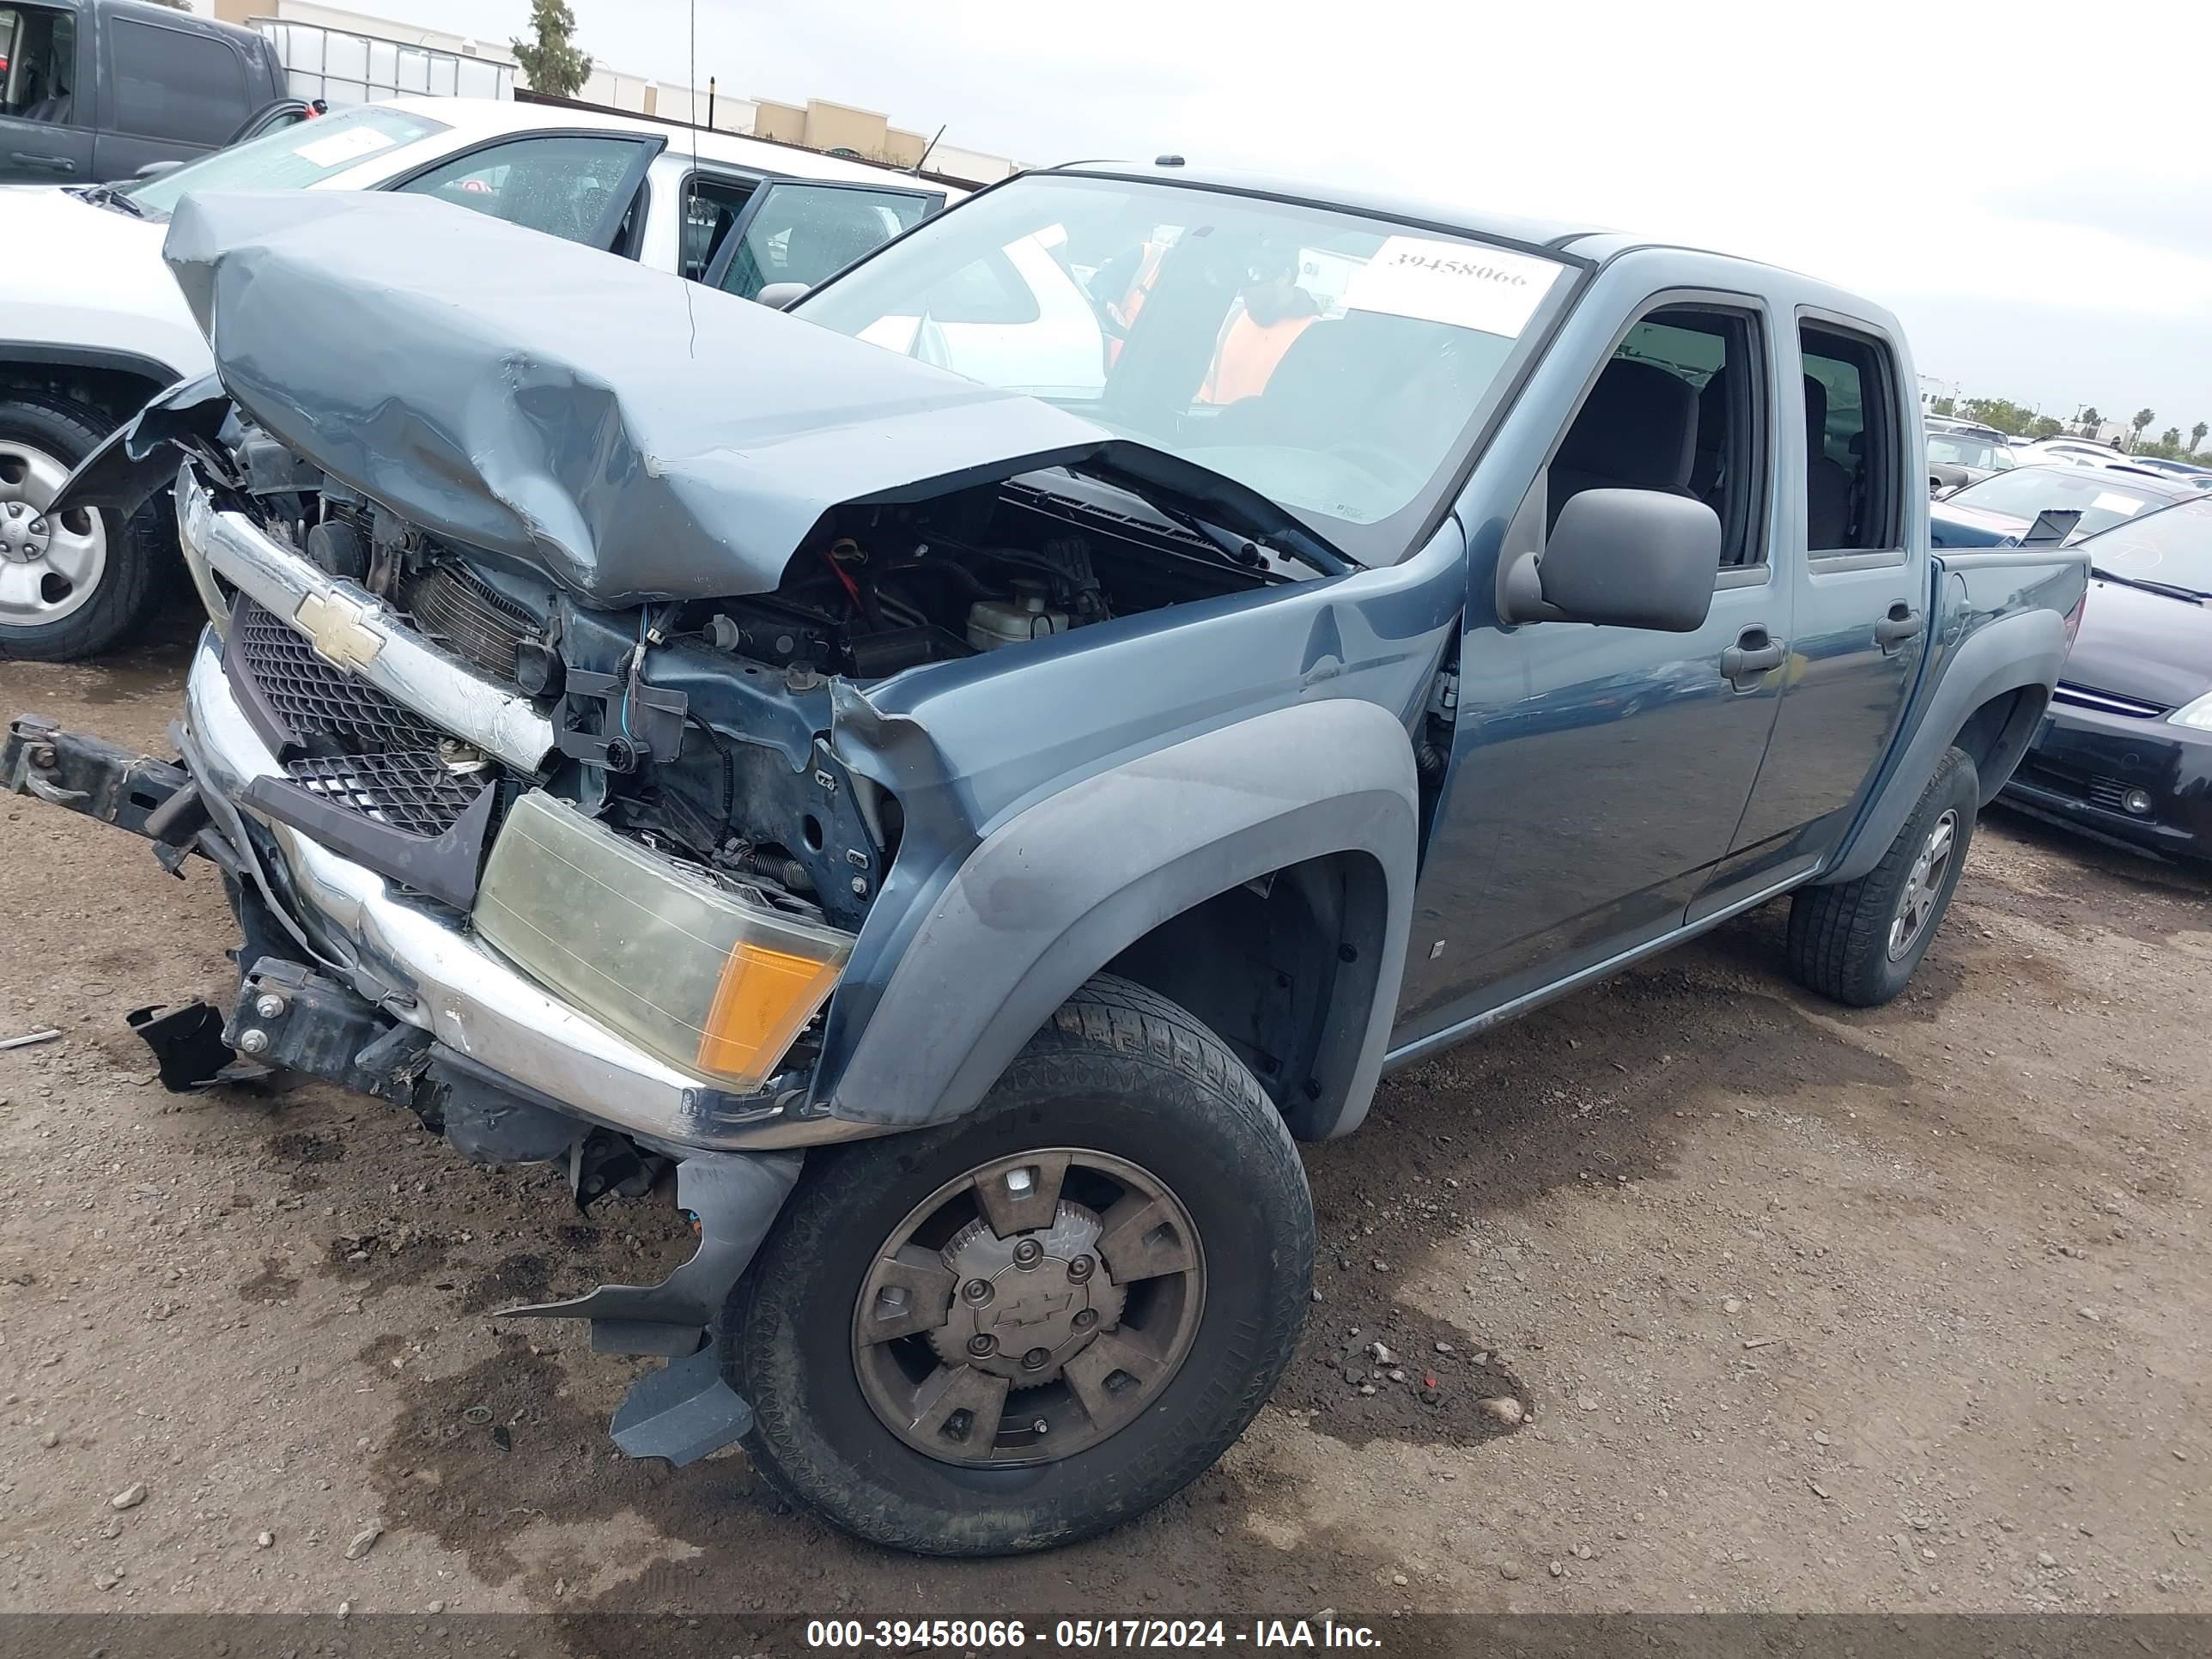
(176, 84)
(712, 208)
(1012, 315)
(986, 290)
(1852, 501)
(798, 231)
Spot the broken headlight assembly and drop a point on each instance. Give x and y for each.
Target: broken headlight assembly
(711, 978)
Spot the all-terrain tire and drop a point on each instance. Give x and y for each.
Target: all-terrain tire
(1118, 1072)
(1840, 939)
(138, 554)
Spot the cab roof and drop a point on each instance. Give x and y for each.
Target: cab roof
(1572, 240)
(1550, 235)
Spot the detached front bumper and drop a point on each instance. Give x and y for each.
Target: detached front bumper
(2144, 782)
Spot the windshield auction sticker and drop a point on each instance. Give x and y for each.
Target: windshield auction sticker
(1462, 283)
(350, 145)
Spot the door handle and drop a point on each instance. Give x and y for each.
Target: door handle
(1902, 623)
(43, 163)
(1755, 654)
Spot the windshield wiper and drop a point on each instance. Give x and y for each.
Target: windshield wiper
(1242, 549)
(1246, 552)
(1309, 550)
(2167, 589)
(107, 195)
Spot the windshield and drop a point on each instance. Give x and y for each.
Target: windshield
(1956, 449)
(290, 158)
(2026, 491)
(2173, 547)
(1327, 360)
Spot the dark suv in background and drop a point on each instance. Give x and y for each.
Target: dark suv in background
(100, 89)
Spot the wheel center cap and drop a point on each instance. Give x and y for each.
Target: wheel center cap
(22, 534)
(1022, 1306)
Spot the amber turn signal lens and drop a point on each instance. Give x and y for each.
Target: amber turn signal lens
(764, 998)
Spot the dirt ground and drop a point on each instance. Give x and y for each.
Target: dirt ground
(1809, 1308)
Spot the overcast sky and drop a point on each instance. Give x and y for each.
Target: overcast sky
(2028, 185)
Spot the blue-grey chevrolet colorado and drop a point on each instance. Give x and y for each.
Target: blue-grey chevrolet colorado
(970, 771)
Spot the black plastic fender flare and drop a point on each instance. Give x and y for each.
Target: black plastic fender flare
(1058, 889)
(2016, 653)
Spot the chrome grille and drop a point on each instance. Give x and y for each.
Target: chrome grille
(315, 699)
(389, 770)
(2108, 702)
(412, 792)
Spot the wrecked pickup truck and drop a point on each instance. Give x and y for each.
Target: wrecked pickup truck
(972, 805)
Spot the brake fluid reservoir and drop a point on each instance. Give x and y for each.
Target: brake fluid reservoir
(1028, 616)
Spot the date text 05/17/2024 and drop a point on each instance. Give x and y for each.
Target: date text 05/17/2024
(1323, 1631)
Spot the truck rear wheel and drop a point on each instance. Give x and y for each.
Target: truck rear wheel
(1024, 1327)
(1859, 941)
(71, 584)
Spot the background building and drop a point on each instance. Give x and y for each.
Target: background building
(1933, 391)
(416, 52)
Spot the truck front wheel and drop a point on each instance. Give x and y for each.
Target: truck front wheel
(1024, 1327)
(1859, 941)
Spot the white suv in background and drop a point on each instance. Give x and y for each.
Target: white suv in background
(93, 326)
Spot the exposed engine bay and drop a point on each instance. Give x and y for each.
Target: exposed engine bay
(700, 726)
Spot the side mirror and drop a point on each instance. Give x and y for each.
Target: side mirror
(1630, 558)
(156, 169)
(781, 296)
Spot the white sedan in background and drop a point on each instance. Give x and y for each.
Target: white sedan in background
(2079, 452)
(2070, 452)
(91, 325)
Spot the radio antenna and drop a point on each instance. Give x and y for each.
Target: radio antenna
(683, 207)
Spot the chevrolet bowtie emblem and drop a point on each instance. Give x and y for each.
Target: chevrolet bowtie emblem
(1037, 1305)
(339, 630)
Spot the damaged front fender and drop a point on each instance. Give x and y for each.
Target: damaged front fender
(1062, 888)
(1059, 810)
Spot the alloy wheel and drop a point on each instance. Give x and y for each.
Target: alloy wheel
(1924, 886)
(1028, 1308)
(50, 564)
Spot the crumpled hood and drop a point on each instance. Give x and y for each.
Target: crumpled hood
(636, 435)
(2139, 644)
